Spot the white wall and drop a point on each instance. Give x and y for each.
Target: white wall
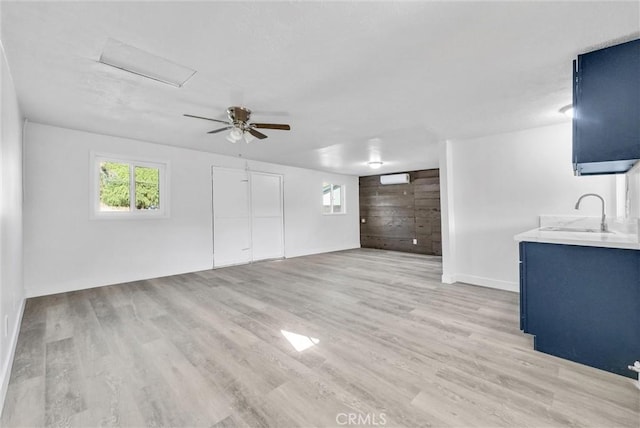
(11, 284)
(497, 186)
(67, 250)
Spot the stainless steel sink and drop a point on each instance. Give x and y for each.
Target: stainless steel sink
(570, 229)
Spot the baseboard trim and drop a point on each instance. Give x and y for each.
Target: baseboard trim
(6, 370)
(310, 252)
(448, 279)
(481, 281)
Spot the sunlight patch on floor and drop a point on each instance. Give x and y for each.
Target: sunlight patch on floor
(299, 341)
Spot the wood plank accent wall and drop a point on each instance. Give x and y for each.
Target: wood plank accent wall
(396, 214)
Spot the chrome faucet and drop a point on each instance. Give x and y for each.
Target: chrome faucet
(603, 224)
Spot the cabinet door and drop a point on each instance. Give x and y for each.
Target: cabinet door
(583, 303)
(607, 109)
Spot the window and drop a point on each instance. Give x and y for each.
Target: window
(333, 198)
(129, 188)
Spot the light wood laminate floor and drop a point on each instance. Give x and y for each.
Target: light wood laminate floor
(389, 345)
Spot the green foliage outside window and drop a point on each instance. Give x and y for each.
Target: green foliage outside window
(147, 189)
(115, 186)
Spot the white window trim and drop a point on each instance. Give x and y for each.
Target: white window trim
(94, 192)
(342, 195)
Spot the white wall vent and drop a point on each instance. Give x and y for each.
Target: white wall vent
(395, 179)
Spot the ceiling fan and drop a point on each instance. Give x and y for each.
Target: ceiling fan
(239, 126)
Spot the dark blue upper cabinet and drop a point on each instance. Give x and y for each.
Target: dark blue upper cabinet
(606, 99)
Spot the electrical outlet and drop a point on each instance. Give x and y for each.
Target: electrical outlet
(364, 220)
(415, 241)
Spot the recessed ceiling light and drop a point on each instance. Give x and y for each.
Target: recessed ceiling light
(137, 61)
(374, 164)
(567, 110)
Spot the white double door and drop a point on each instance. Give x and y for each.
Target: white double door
(247, 216)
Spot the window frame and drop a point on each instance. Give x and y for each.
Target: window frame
(132, 162)
(343, 199)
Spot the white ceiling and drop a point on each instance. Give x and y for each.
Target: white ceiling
(356, 81)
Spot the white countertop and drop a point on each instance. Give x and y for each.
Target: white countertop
(613, 239)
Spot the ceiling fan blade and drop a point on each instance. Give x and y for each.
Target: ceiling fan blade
(219, 130)
(271, 126)
(207, 118)
(256, 134)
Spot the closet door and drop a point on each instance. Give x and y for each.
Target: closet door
(266, 216)
(231, 217)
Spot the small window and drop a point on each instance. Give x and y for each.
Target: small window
(333, 198)
(129, 188)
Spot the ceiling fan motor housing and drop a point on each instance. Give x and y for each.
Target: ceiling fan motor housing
(239, 115)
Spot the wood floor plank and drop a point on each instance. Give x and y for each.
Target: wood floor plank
(193, 392)
(29, 360)
(59, 324)
(24, 404)
(87, 334)
(387, 341)
(64, 387)
(110, 402)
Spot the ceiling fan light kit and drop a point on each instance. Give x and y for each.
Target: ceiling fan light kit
(239, 126)
(235, 135)
(248, 137)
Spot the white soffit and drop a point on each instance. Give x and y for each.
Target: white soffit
(129, 58)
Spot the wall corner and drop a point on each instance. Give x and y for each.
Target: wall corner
(447, 212)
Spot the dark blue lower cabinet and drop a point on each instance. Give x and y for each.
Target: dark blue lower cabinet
(582, 303)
